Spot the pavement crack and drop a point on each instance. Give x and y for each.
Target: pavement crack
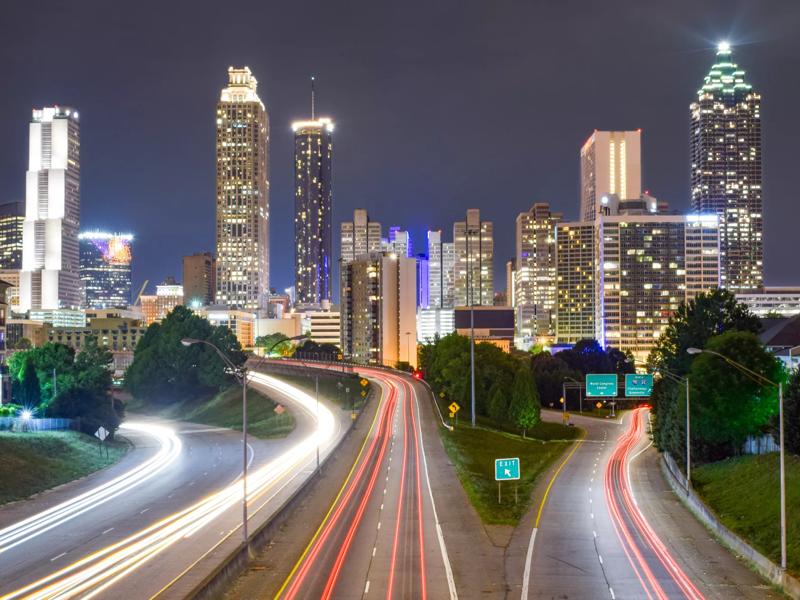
(561, 560)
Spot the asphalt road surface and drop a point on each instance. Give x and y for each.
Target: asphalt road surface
(381, 537)
(139, 543)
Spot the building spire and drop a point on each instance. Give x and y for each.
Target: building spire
(312, 97)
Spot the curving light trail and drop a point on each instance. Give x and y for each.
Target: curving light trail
(636, 535)
(27, 529)
(98, 571)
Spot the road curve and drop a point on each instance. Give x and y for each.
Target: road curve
(179, 528)
(381, 537)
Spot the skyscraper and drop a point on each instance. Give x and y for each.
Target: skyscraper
(726, 169)
(359, 236)
(535, 273)
(313, 151)
(199, 279)
(575, 281)
(399, 242)
(474, 249)
(611, 163)
(441, 271)
(12, 217)
(242, 159)
(50, 277)
(105, 269)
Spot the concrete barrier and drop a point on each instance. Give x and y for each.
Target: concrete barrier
(762, 565)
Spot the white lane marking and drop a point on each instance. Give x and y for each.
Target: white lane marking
(526, 574)
(601, 558)
(384, 491)
(594, 533)
(206, 430)
(366, 588)
(374, 550)
(611, 591)
(110, 529)
(57, 557)
(171, 495)
(381, 506)
(592, 515)
(379, 524)
(451, 584)
(141, 512)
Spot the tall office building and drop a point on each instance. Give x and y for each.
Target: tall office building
(105, 269)
(313, 151)
(441, 271)
(474, 273)
(423, 281)
(621, 276)
(534, 277)
(169, 294)
(726, 169)
(12, 217)
(50, 276)
(611, 163)
(399, 242)
(199, 279)
(378, 309)
(242, 194)
(359, 236)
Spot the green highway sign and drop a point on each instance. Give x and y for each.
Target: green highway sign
(601, 385)
(638, 386)
(506, 469)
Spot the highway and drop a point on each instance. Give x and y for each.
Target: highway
(381, 536)
(191, 507)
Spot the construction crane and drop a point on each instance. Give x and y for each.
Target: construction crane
(141, 291)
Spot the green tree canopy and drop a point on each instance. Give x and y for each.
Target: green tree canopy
(30, 393)
(727, 405)
(524, 408)
(275, 343)
(165, 371)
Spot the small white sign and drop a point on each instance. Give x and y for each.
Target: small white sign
(101, 434)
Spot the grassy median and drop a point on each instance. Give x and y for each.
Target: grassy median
(225, 410)
(744, 494)
(36, 461)
(473, 452)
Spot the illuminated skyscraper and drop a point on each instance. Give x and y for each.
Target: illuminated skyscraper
(242, 159)
(441, 271)
(12, 217)
(474, 249)
(575, 281)
(726, 169)
(105, 269)
(611, 163)
(534, 289)
(313, 151)
(199, 279)
(359, 236)
(50, 277)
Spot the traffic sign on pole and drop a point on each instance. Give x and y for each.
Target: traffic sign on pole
(638, 386)
(601, 384)
(454, 408)
(364, 382)
(506, 469)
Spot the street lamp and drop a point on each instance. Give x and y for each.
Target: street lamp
(683, 381)
(758, 378)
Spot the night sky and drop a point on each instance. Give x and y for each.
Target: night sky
(439, 106)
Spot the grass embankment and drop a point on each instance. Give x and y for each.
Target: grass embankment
(473, 451)
(744, 494)
(347, 395)
(37, 461)
(225, 410)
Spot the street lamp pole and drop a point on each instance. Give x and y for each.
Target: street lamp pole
(471, 329)
(757, 377)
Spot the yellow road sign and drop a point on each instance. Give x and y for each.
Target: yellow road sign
(454, 408)
(599, 405)
(363, 382)
(452, 414)
(363, 393)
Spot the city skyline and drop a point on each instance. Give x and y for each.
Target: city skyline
(682, 57)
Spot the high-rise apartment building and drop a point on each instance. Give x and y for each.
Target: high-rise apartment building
(726, 169)
(12, 217)
(105, 269)
(199, 279)
(50, 276)
(441, 271)
(378, 309)
(474, 249)
(313, 152)
(621, 276)
(242, 159)
(359, 236)
(611, 163)
(534, 276)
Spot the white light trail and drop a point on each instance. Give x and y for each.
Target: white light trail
(27, 529)
(98, 571)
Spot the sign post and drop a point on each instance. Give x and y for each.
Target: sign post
(638, 386)
(506, 469)
(101, 434)
(454, 408)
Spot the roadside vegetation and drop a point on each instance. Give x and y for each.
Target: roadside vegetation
(743, 493)
(36, 461)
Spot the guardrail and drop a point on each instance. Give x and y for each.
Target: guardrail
(762, 565)
(35, 424)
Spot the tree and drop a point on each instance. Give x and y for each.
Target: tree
(47, 359)
(30, 394)
(22, 343)
(93, 408)
(93, 367)
(524, 408)
(728, 405)
(276, 343)
(498, 403)
(588, 356)
(791, 415)
(165, 371)
(550, 372)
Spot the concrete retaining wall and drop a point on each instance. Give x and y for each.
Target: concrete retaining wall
(764, 566)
